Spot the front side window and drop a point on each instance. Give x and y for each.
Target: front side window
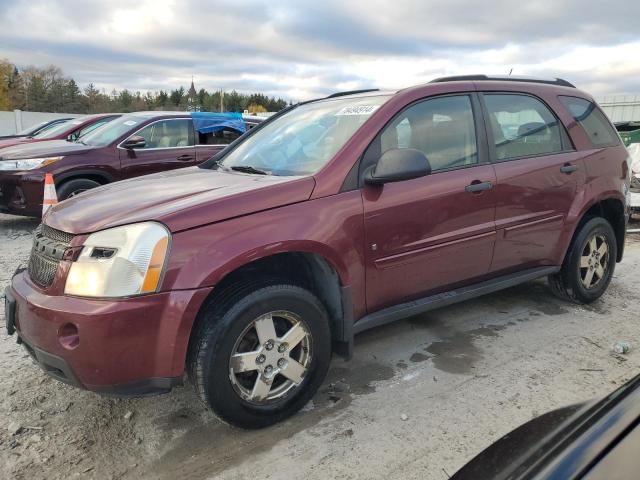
(166, 134)
(442, 128)
(304, 139)
(522, 126)
(592, 120)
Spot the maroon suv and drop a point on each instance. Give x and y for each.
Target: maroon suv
(333, 217)
(132, 145)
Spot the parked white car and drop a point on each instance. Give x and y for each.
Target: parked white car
(634, 152)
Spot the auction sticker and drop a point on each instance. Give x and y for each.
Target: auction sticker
(358, 110)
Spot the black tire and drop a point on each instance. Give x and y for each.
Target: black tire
(215, 339)
(568, 282)
(73, 187)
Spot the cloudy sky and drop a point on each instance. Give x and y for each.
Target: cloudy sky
(299, 49)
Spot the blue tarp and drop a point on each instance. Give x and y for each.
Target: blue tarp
(207, 122)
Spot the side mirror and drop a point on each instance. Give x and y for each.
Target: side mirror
(134, 142)
(398, 164)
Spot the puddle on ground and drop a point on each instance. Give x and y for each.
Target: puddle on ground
(418, 357)
(457, 353)
(205, 450)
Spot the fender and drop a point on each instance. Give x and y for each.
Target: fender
(83, 173)
(330, 227)
(581, 205)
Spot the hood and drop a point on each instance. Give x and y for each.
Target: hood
(9, 142)
(180, 199)
(47, 148)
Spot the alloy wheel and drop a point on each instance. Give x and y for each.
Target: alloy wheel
(271, 357)
(594, 261)
(77, 192)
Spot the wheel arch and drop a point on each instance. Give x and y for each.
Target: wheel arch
(89, 174)
(611, 209)
(309, 270)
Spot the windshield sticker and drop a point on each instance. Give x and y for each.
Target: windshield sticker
(129, 123)
(358, 110)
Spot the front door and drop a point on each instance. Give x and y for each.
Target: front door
(432, 233)
(169, 145)
(538, 173)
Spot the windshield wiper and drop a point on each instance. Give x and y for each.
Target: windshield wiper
(249, 169)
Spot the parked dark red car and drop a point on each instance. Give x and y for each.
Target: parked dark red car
(33, 130)
(129, 146)
(70, 130)
(333, 217)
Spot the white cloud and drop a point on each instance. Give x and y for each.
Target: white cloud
(302, 49)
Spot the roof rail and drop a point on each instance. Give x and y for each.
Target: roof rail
(507, 78)
(352, 92)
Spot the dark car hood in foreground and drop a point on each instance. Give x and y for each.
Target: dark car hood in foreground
(47, 148)
(181, 199)
(561, 444)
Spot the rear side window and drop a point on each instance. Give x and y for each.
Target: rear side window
(522, 126)
(593, 121)
(221, 137)
(442, 128)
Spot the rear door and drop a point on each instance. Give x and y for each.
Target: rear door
(538, 173)
(427, 234)
(169, 145)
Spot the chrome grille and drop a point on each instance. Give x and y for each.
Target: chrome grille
(53, 234)
(48, 249)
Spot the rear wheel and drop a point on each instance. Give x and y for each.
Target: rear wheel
(258, 357)
(589, 264)
(74, 187)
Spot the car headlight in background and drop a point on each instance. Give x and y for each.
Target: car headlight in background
(120, 262)
(27, 163)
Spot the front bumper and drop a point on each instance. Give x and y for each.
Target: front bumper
(127, 347)
(21, 193)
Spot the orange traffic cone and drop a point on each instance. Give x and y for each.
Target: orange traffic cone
(50, 196)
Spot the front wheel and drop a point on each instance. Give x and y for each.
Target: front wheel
(75, 187)
(259, 357)
(589, 264)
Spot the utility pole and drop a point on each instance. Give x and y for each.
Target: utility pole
(221, 101)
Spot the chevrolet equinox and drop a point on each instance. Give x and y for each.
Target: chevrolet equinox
(334, 216)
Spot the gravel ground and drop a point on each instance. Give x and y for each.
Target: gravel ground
(420, 398)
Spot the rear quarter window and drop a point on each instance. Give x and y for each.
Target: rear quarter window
(594, 123)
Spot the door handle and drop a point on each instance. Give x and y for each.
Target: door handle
(477, 187)
(185, 158)
(568, 169)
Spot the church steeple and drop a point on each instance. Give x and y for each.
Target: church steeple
(192, 98)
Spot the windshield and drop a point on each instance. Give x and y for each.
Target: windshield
(302, 141)
(31, 129)
(37, 128)
(57, 129)
(106, 134)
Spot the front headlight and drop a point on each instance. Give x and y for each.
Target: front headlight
(120, 262)
(27, 163)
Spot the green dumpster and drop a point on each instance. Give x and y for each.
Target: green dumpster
(629, 132)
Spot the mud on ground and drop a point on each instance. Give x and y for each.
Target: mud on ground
(461, 376)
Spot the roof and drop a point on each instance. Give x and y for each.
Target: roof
(504, 78)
